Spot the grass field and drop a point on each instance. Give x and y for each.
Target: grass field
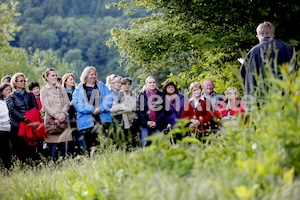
(258, 160)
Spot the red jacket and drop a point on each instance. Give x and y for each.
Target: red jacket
(204, 110)
(38, 100)
(35, 131)
(221, 110)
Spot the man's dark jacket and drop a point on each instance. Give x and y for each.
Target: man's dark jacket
(262, 57)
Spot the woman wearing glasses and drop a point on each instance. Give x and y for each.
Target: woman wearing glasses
(19, 102)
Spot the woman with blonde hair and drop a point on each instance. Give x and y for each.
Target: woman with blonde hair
(229, 109)
(198, 111)
(150, 110)
(55, 103)
(92, 101)
(109, 79)
(19, 102)
(118, 106)
(68, 82)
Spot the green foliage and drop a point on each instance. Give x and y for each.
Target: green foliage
(13, 60)
(32, 64)
(19, 60)
(8, 27)
(197, 40)
(71, 25)
(257, 160)
(44, 59)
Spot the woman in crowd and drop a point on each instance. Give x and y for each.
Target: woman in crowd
(174, 103)
(5, 128)
(68, 82)
(132, 130)
(230, 109)
(121, 109)
(92, 101)
(120, 121)
(150, 110)
(55, 103)
(19, 102)
(5, 79)
(118, 106)
(108, 80)
(198, 112)
(34, 87)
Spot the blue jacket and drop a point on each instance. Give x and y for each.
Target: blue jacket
(85, 109)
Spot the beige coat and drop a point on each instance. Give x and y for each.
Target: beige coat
(55, 101)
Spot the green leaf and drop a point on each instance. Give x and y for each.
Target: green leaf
(288, 176)
(242, 192)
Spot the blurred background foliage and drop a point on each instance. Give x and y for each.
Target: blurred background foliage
(197, 40)
(179, 40)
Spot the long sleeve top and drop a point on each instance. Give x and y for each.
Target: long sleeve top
(195, 111)
(4, 117)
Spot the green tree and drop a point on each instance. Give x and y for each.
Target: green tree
(75, 62)
(11, 59)
(8, 27)
(198, 39)
(41, 60)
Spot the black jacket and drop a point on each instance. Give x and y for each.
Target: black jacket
(18, 104)
(143, 110)
(257, 59)
(72, 113)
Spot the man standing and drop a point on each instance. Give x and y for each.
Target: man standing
(209, 93)
(214, 99)
(269, 54)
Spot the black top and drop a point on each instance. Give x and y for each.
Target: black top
(257, 59)
(18, 103)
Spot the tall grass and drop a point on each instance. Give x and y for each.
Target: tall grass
(259, 160)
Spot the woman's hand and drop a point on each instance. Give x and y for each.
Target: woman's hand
(61, 117)
(96, 111)
(27, 120)
(151, 124)
(194, 123)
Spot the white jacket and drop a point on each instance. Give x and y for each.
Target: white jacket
(4, 117)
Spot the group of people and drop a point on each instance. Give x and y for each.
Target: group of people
(92, 107)
(29, 119)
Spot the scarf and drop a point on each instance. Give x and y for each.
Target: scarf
(151, 104)
(172, 102)
(70, 90)
(20, 91)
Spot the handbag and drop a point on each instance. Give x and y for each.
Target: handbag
(54, 127)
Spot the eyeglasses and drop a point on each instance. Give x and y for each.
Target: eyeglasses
(21, 81)
(113, 78)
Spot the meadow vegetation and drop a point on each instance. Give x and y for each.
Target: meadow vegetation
(259, 160)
